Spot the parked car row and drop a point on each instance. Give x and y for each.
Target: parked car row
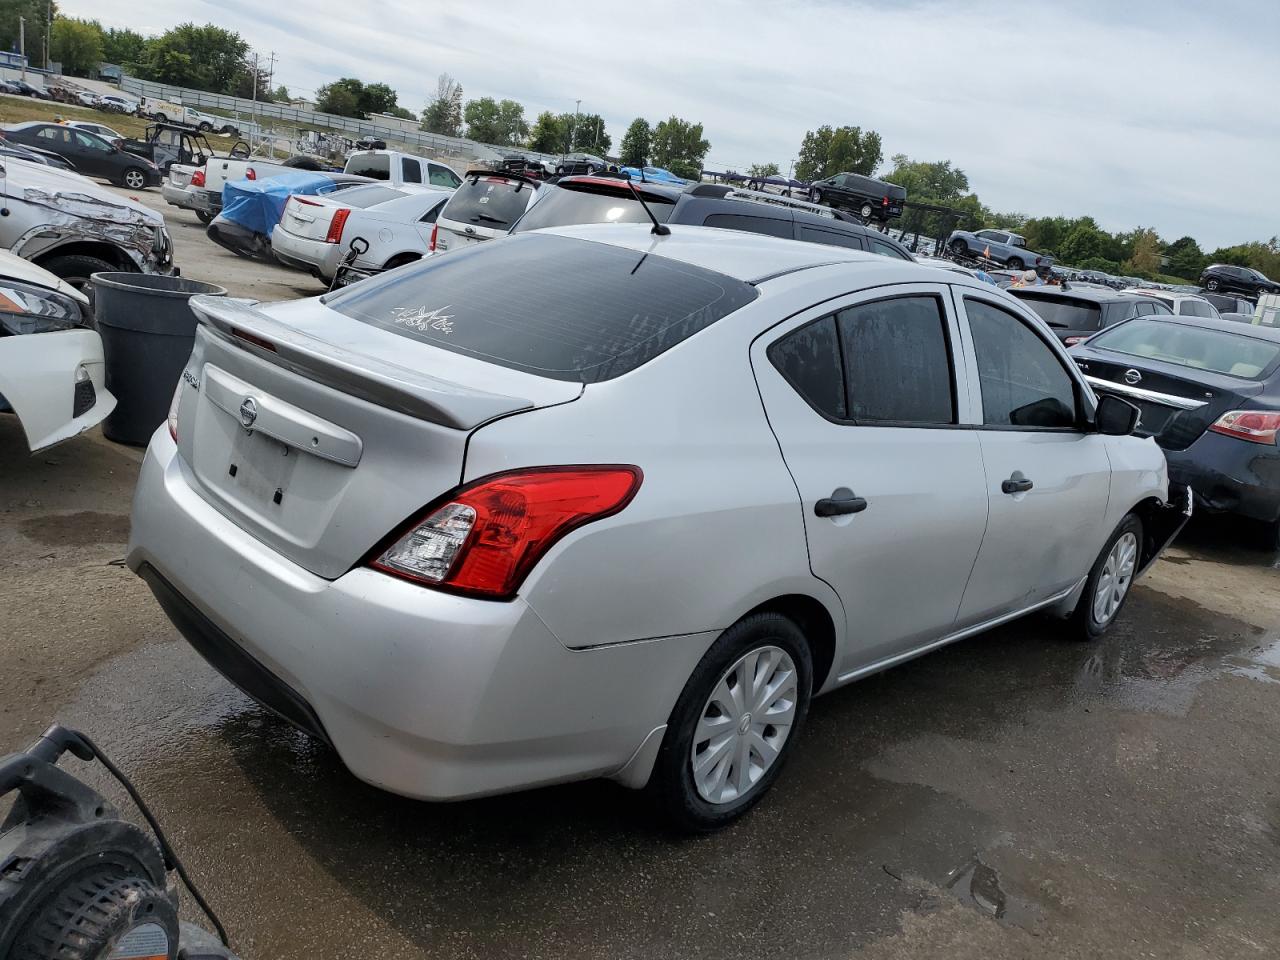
(87, 152)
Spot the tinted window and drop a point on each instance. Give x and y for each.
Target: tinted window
(368, 195)
(734, 221)
(1195, 308)
(548, 305)
(1198, 347)
(488, 202)
(1065, 313)
(810, 360)
(562, 206)
(412, 170)
(896, 362)
(887, 250)
(443, 176)
(375, 165)
(831, 238)
(1022, 381)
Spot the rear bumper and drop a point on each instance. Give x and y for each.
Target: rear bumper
(422, 693)
(191, 198)
(301, 253)
(1230, 476)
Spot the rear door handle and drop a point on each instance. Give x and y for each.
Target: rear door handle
(841, 502)
(1016, 484)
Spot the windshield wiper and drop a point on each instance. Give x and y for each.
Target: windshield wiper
(485, 216)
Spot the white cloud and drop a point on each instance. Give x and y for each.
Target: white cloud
(1143, 114)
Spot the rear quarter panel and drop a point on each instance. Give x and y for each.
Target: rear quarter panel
(716, 528)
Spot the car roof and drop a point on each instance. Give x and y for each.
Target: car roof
(750, 257)
(1257, 331)
(1172, 294)
(1091, 294)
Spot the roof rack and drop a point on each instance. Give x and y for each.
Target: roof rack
(777, 200)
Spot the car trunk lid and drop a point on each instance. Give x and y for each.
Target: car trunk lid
(309, 217)
(1177, 404)
(318, 434)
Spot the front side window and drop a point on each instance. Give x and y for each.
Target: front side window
(831, 238)
(443, 177)
(769, 226)
(887, 250)
(90, 142)
(1023, 383)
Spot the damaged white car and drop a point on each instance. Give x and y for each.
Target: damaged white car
(51, 365)
(74, 228)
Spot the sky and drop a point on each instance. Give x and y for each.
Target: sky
(1138, 113)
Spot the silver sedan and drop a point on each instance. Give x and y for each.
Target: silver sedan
(595, 502)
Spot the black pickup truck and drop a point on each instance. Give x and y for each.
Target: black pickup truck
(868, 197)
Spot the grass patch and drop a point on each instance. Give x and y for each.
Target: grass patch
(21, 109)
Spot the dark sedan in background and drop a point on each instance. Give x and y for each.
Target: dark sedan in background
(1209, 392)
(89, 153)
(1075, 313)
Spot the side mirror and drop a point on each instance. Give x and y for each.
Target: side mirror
(1115, 417)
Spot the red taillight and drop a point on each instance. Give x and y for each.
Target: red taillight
(884, 202)
(435, 227)
(197, 179)
(257, 341)
(304, 202)
(336, 224)
(1256, 426)
(486, 537)
(251, 174)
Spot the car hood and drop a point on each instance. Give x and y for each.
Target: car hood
(71, 193)
(13, 267)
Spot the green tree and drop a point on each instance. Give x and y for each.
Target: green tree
(402, 113)
(378, 98)
(762, 170)
(339, 99)
(123, 46)
(1186, 259)
(636, 143)
(827, 151)
(77, 45)
(589, 134)
(548, 134)
(678, 145)
(937, 183)
(349, 97)
(1084, 242)
(280, 94)
(499, 123)
(1145, 259)
(443, 115)
(36, 13)
(207, 58)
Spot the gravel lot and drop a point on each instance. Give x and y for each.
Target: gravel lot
(1014, 795)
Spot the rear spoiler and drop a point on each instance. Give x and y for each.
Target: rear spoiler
(476, 174)
(416, 394)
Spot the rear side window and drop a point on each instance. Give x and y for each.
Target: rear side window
(897, 366)
(881, 362)
(374, 165)
(769, 226)
(887, 250)
(488, 202)
(564, 207)
(809, 358)
(1022, 381)
(832, 238)
(369, 195)
(548, 305)
(411, 170)
(1196, 308)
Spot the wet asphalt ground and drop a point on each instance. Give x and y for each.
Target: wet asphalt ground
(1014, 795)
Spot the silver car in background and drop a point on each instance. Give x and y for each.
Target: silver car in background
(592, 502)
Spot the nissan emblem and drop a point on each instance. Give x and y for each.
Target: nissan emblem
(1132, 377)
(248, 411)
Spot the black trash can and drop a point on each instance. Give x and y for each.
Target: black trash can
(147, 331)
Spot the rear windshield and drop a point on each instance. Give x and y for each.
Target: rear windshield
(553, 306)
(375, 165)
(562, 207)
(1063, 313)
(369, 195)
(488, 202)
(1198, 347)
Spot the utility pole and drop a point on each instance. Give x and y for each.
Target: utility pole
(48, 32)
(22, 44)
(573, 129)
(271, 72)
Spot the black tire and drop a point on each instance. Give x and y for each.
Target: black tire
(205, 126)
(160, 118)
(204, 216)
(76, 268)
(137, 175)
(959, 247)
(400, 259)
(1212, 285)
(815, 196)
(672, 786)
(1083, 624)
(1015, 263)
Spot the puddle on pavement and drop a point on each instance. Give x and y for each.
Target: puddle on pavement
(979, 885)
(1262, 663)
(76, 529)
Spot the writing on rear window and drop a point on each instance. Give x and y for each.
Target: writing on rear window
(420, 318)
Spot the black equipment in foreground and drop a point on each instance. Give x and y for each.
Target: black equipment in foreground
(77, 882)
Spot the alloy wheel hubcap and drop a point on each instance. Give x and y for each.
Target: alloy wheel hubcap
(1117, 574)
(744, 724)
(133, 180)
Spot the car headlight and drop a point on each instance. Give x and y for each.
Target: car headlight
(25, 308)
